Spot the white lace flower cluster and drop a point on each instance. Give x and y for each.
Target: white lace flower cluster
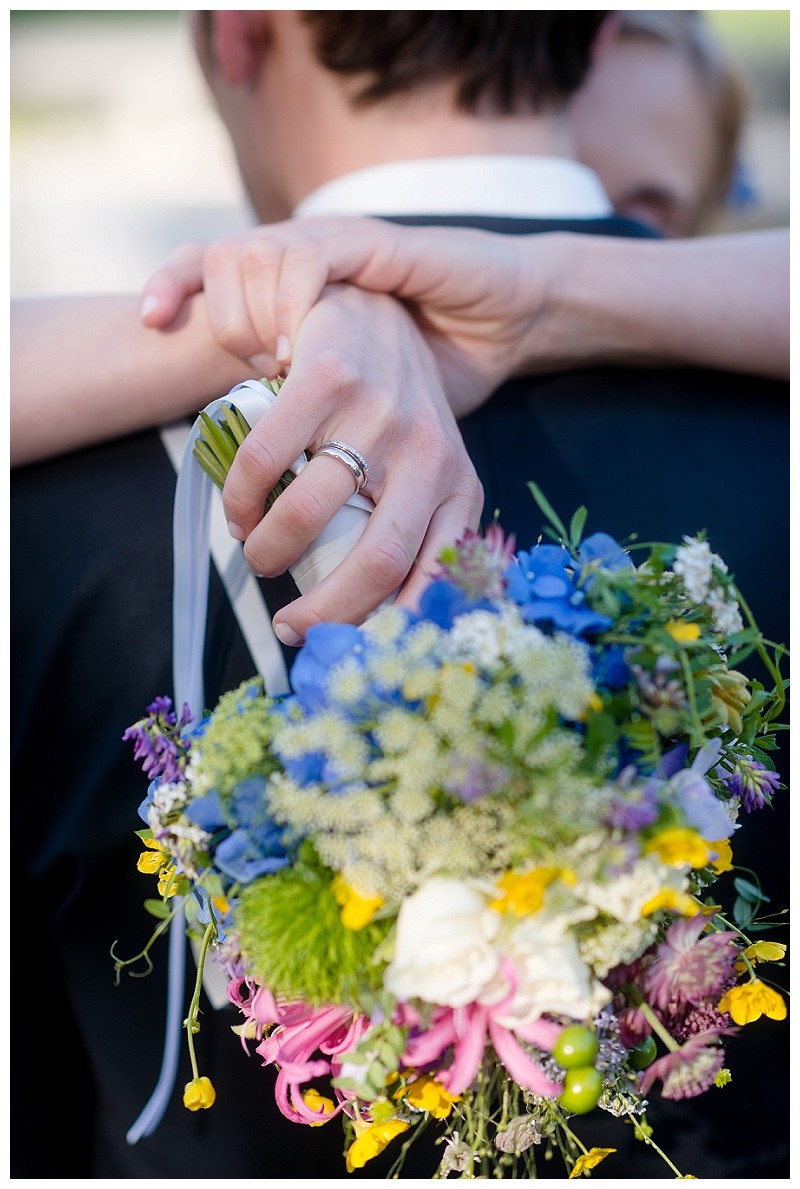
(696, 565)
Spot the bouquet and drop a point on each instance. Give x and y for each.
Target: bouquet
(461, 877)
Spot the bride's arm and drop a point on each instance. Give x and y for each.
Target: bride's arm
(504, 304)
(84, 369)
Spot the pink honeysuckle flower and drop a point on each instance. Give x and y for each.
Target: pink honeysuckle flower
(467, 1030)
(299, 1031)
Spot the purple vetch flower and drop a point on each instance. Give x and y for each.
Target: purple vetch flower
(478, 780)
(689, 968)
(157, 740)
(753, 783)
(689, 1070)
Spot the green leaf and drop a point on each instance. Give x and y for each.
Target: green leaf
(576, 526)
(749, 891)
(157, 908)
(547, 508)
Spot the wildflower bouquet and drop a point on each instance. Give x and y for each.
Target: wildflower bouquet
(461, 876)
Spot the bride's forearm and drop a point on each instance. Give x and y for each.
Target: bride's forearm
(84, 369)
(715, 301)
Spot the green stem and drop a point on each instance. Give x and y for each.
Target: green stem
(771, 667)
(190, 1023)
(652, 1143)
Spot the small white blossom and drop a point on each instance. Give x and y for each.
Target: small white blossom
(693, 562)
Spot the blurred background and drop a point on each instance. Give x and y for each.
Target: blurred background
(117, 154)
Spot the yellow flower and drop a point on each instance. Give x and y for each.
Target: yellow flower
(673, 901)
(523, 892)
(166, 885)
(152, 860)
(199, 1094)
(221, 904)
(678, 846)
(724, 859)
(318, 1102)
(426, 1094)
(589, 1160)
(683, 633)
(357, 911)
(765, 951)
(750, 1001)
(371, 1142)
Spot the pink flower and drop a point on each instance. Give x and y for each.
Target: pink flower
(298, 1033)
(688, 1071)
(688, 968)
(467, 1029)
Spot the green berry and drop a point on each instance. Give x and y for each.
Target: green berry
(582, 1089)
(575, 1046)
(643, 1054)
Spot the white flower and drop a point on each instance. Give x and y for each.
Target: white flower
(552, 977)
(624, 895)
(693, 562)
(443, 947)
(727, 617)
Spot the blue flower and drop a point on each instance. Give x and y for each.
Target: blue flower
(442, 602)
(206, 812)
(543, 584)
(255, 846)
(326, 643)
(603, 548)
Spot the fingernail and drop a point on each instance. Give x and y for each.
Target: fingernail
(287, 635)
(149, 305)
(237, 531)
(283, 348)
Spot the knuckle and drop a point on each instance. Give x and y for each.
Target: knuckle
(260, 254)
(387, 563)
(332, 369)
(304, 509)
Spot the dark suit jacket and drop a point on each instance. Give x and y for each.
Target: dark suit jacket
(657, 453)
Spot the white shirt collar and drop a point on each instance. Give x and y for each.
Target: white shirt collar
(497, 184)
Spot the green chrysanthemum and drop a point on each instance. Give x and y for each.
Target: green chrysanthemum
(293, 938)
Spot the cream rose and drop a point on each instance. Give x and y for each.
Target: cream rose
(551, 975)
(443, 949)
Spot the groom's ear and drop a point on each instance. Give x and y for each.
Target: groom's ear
(604, 37)
(238, 41)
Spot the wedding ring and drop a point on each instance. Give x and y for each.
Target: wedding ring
(352, 459)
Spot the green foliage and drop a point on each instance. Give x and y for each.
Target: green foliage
(292, 937)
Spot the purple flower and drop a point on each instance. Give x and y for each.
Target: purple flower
(157, 740)
(688, 968)
(753, 783)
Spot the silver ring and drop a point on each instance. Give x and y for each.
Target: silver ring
(352, 459)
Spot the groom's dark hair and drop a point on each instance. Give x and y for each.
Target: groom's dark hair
(499, 62)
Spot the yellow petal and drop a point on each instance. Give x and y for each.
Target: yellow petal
(371, 1142)
(749, 1001)
(765, 951)
(199, 1094)
(683, 633)
(589, 1160)
(151, 861)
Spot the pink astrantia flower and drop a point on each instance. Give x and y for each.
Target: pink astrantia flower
(688, 968)
(688, 1071)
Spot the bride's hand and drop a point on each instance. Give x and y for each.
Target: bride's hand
(476, 296)
(362, 374)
